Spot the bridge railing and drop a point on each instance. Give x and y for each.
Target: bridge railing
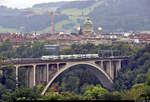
(60, 58)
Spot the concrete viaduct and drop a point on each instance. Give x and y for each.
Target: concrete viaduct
(44, 72)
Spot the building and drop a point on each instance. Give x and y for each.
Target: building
(88, 27)
(83, 35)
(51, 49)
(99, 31)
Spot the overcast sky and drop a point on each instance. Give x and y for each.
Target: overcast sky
(25, 3)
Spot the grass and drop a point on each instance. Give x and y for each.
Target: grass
(78, 12)
(10, 30)
(74, 15)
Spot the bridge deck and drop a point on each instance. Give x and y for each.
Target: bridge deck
(39, 60)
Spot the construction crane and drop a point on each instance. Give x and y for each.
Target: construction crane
(52, 22)
(31, 13)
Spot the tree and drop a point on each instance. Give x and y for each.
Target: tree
(70, 84)
(37, 49)
(147, 81)
(112, 96)
(6, 46)
(70, 96)
(38, 90)
(133, 94)
(140, 78)
(3, 89)
(52, 96)
(7, 95)
(22, 92)
(9, 77)
(96, 92)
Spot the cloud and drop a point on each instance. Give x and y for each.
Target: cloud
(25, 3)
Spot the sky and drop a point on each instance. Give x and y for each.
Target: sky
(21, 4)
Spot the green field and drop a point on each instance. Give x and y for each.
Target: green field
(2, 29)
(74, 15)
(78, 12)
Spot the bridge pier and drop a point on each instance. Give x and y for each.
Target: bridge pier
(31, 76)
(57, 66)
(27, 75)
(118, 67)
(108, 67)
(112, 70)
(47, 73)
(17, 76)
(38, 74)
(41, 74)
(44, 74)
(111, 67)
(34, 73)
(102, 64)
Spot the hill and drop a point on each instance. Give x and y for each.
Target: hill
(112, 15)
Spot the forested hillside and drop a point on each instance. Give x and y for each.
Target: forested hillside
(112, 15)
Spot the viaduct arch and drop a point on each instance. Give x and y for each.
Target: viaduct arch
(46, 71)
(104, 78)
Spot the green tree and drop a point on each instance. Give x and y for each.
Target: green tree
(22, 92)
(6, 46)
(132, 94)
(52, 96)
(7, 95)
(112, 96)
(70, 96)
(96, 92)
(9, 77)
(148, 81)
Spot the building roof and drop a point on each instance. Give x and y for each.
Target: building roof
(99, 28)
(88, 22)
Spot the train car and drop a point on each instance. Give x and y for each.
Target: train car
(79, 56)
(62, 56)
(45, 57)
(69, 56)
(88, 55)
(94, 56)
(74, 56)
(83, 55)
(53, 57)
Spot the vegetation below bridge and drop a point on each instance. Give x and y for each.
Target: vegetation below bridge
(79, 83)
